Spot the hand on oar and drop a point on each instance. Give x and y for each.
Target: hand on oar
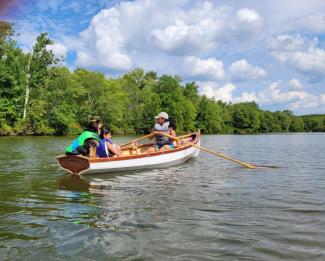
(247, 165)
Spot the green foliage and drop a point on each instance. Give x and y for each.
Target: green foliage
(12, 79)
(296, 124)
(245, 117)
(315, 122)
(209, 116)
(268, 122)
(61, 101)
(41, 61)
(6, 31)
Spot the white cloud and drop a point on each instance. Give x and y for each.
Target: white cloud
(322, 98)
(295, 84)
(104, 43)
(314, 22)
(248, 15)
(208, 69)
(287, 43)
(179, 38)
(225, 93)
(308, 101)
(117, 37)
(246, 97)
(312, 61)
(274, 94)
(242, 70)
(204, 27)
(299, 53)
(58, 49)
(247, 23)
(26, 40)
(294, 100)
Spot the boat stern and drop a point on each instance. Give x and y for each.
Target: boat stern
(73, 164)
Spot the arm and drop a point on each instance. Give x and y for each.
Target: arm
(153, 138)
(173, 133)
(114, 150)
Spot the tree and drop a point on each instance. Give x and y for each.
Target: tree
(12, 77)
(65, 98)
(112, 106)
(132, 85)
(314, 122)
(245, 117)
(172, 100)
(284, 119)
(209, 116)
(296, 124)
(6, 31)
(191, 93)
(40, 61)
(149, 109)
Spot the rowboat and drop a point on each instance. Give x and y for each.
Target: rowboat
(134, 158)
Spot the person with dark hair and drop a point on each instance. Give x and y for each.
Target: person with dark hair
(106, 147)
(95, 125)
(87, 142)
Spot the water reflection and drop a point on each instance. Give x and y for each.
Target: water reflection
(74, 183)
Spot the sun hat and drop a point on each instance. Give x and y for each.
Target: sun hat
(162, 115)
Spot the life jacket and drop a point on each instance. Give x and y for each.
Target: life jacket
(80, 140)
(102, 150)
(161, 139)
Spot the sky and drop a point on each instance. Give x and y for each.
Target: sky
(270, 52)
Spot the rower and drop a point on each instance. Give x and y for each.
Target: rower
(163, 124)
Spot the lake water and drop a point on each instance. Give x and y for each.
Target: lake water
(205, 209)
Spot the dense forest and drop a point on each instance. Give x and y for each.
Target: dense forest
(38, 96)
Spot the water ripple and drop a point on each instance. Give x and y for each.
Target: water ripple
(206, 209)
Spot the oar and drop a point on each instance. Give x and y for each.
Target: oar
(185, 135)
(247, 165)
(136, 140)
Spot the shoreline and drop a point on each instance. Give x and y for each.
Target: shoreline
(181, 133)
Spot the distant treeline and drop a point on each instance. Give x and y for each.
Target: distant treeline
(38, 97)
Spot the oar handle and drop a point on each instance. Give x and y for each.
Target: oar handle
(141, 138)
(209, 151)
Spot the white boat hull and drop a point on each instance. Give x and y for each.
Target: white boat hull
(83, 165)
(159, 161)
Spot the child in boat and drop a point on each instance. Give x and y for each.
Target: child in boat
(106, 147)
(86, 143)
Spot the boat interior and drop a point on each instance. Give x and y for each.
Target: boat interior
(138, 149)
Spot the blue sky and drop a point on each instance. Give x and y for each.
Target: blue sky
(272, 52)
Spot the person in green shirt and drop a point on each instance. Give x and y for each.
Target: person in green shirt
(86, 140)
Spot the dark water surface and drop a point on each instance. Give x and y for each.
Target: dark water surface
(206, 209)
